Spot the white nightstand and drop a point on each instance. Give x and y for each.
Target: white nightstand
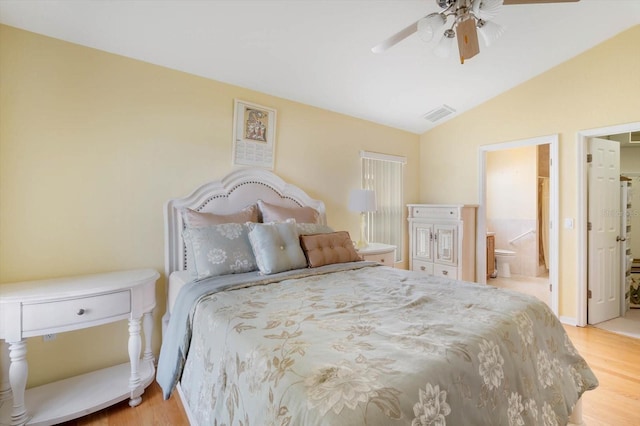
(37, 308)
(378, 252)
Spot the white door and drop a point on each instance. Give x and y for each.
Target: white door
(604, 234)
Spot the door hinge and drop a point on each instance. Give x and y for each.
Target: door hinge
(589, 158)
(589, 294)
(589, 226)
(550, 287)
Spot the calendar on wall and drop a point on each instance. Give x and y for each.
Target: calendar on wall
(254, 132)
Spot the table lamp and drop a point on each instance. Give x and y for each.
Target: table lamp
(363, 201)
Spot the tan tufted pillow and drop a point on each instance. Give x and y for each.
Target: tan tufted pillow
(273, 213)
(325, 249)
(194, 219)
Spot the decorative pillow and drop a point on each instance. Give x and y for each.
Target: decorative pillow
(325, 249)
(274, 213)
(194, 219)
(220, 250)
(276, 246)
(313, 228)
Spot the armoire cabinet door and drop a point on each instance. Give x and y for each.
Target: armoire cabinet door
(445, 244)
(422, 241)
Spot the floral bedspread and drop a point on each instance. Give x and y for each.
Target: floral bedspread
(379, 346)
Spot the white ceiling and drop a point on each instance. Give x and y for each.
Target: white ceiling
(318, 51)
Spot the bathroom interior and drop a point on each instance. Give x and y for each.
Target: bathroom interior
(517, 206)
(517, 197)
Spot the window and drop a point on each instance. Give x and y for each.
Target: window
(383, 174)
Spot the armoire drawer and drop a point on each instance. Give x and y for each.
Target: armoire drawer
(422, 266)
(445, 271)
(434, 212)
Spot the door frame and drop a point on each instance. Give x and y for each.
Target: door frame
(554, 222)
(583, 137)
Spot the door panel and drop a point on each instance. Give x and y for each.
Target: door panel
(604, 236)
(422, 239)
(445, 241)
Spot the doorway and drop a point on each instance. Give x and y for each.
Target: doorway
(582, 219)
(552, 255)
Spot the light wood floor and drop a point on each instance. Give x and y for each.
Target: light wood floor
(614, 358)
(154, 411)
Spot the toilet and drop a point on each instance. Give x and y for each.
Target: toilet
(503, 257)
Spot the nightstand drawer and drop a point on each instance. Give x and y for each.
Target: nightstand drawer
(68, 313)
(387, 259)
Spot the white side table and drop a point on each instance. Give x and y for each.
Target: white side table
(378, 252)
(36, 308)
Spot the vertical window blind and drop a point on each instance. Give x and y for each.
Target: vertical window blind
(383, 174)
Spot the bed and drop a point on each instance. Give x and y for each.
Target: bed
(338, 341)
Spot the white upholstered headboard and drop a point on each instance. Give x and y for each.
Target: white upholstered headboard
(232, 193)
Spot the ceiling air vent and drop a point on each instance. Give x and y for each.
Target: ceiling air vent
(438, 113)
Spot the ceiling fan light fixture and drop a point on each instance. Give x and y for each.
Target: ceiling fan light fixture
(486, 9)
(443, 49)
(428, 26)
(470, 17)
(490, 31)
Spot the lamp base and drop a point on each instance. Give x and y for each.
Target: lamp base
(362, 242)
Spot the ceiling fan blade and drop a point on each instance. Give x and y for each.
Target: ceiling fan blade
(467, 36)
(507, 2)
(396, 38)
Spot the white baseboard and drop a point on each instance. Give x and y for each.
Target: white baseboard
(569, 321)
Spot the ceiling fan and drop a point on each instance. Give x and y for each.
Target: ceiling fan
(470, 17)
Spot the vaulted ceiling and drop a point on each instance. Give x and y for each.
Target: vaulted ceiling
(318, 52)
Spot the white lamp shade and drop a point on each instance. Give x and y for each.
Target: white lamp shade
(490, 32)
(443, 49)
(428, 25)
(362, 200)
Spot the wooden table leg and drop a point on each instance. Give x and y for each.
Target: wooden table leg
(5, 362)
(147, 324)
(135, 344)
(18, 372)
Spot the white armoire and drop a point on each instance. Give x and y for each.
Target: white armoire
(442, 240)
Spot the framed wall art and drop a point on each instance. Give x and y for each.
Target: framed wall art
(254, 135)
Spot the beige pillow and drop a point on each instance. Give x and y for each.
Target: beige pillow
(274, 213)
(194, 219)
(325, 249)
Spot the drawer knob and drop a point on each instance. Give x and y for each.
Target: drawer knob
(80, 311)
(422, 268)
(445, 272)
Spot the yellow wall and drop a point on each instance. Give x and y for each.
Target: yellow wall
(92, 145)
(598, 88)
(512, 191)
